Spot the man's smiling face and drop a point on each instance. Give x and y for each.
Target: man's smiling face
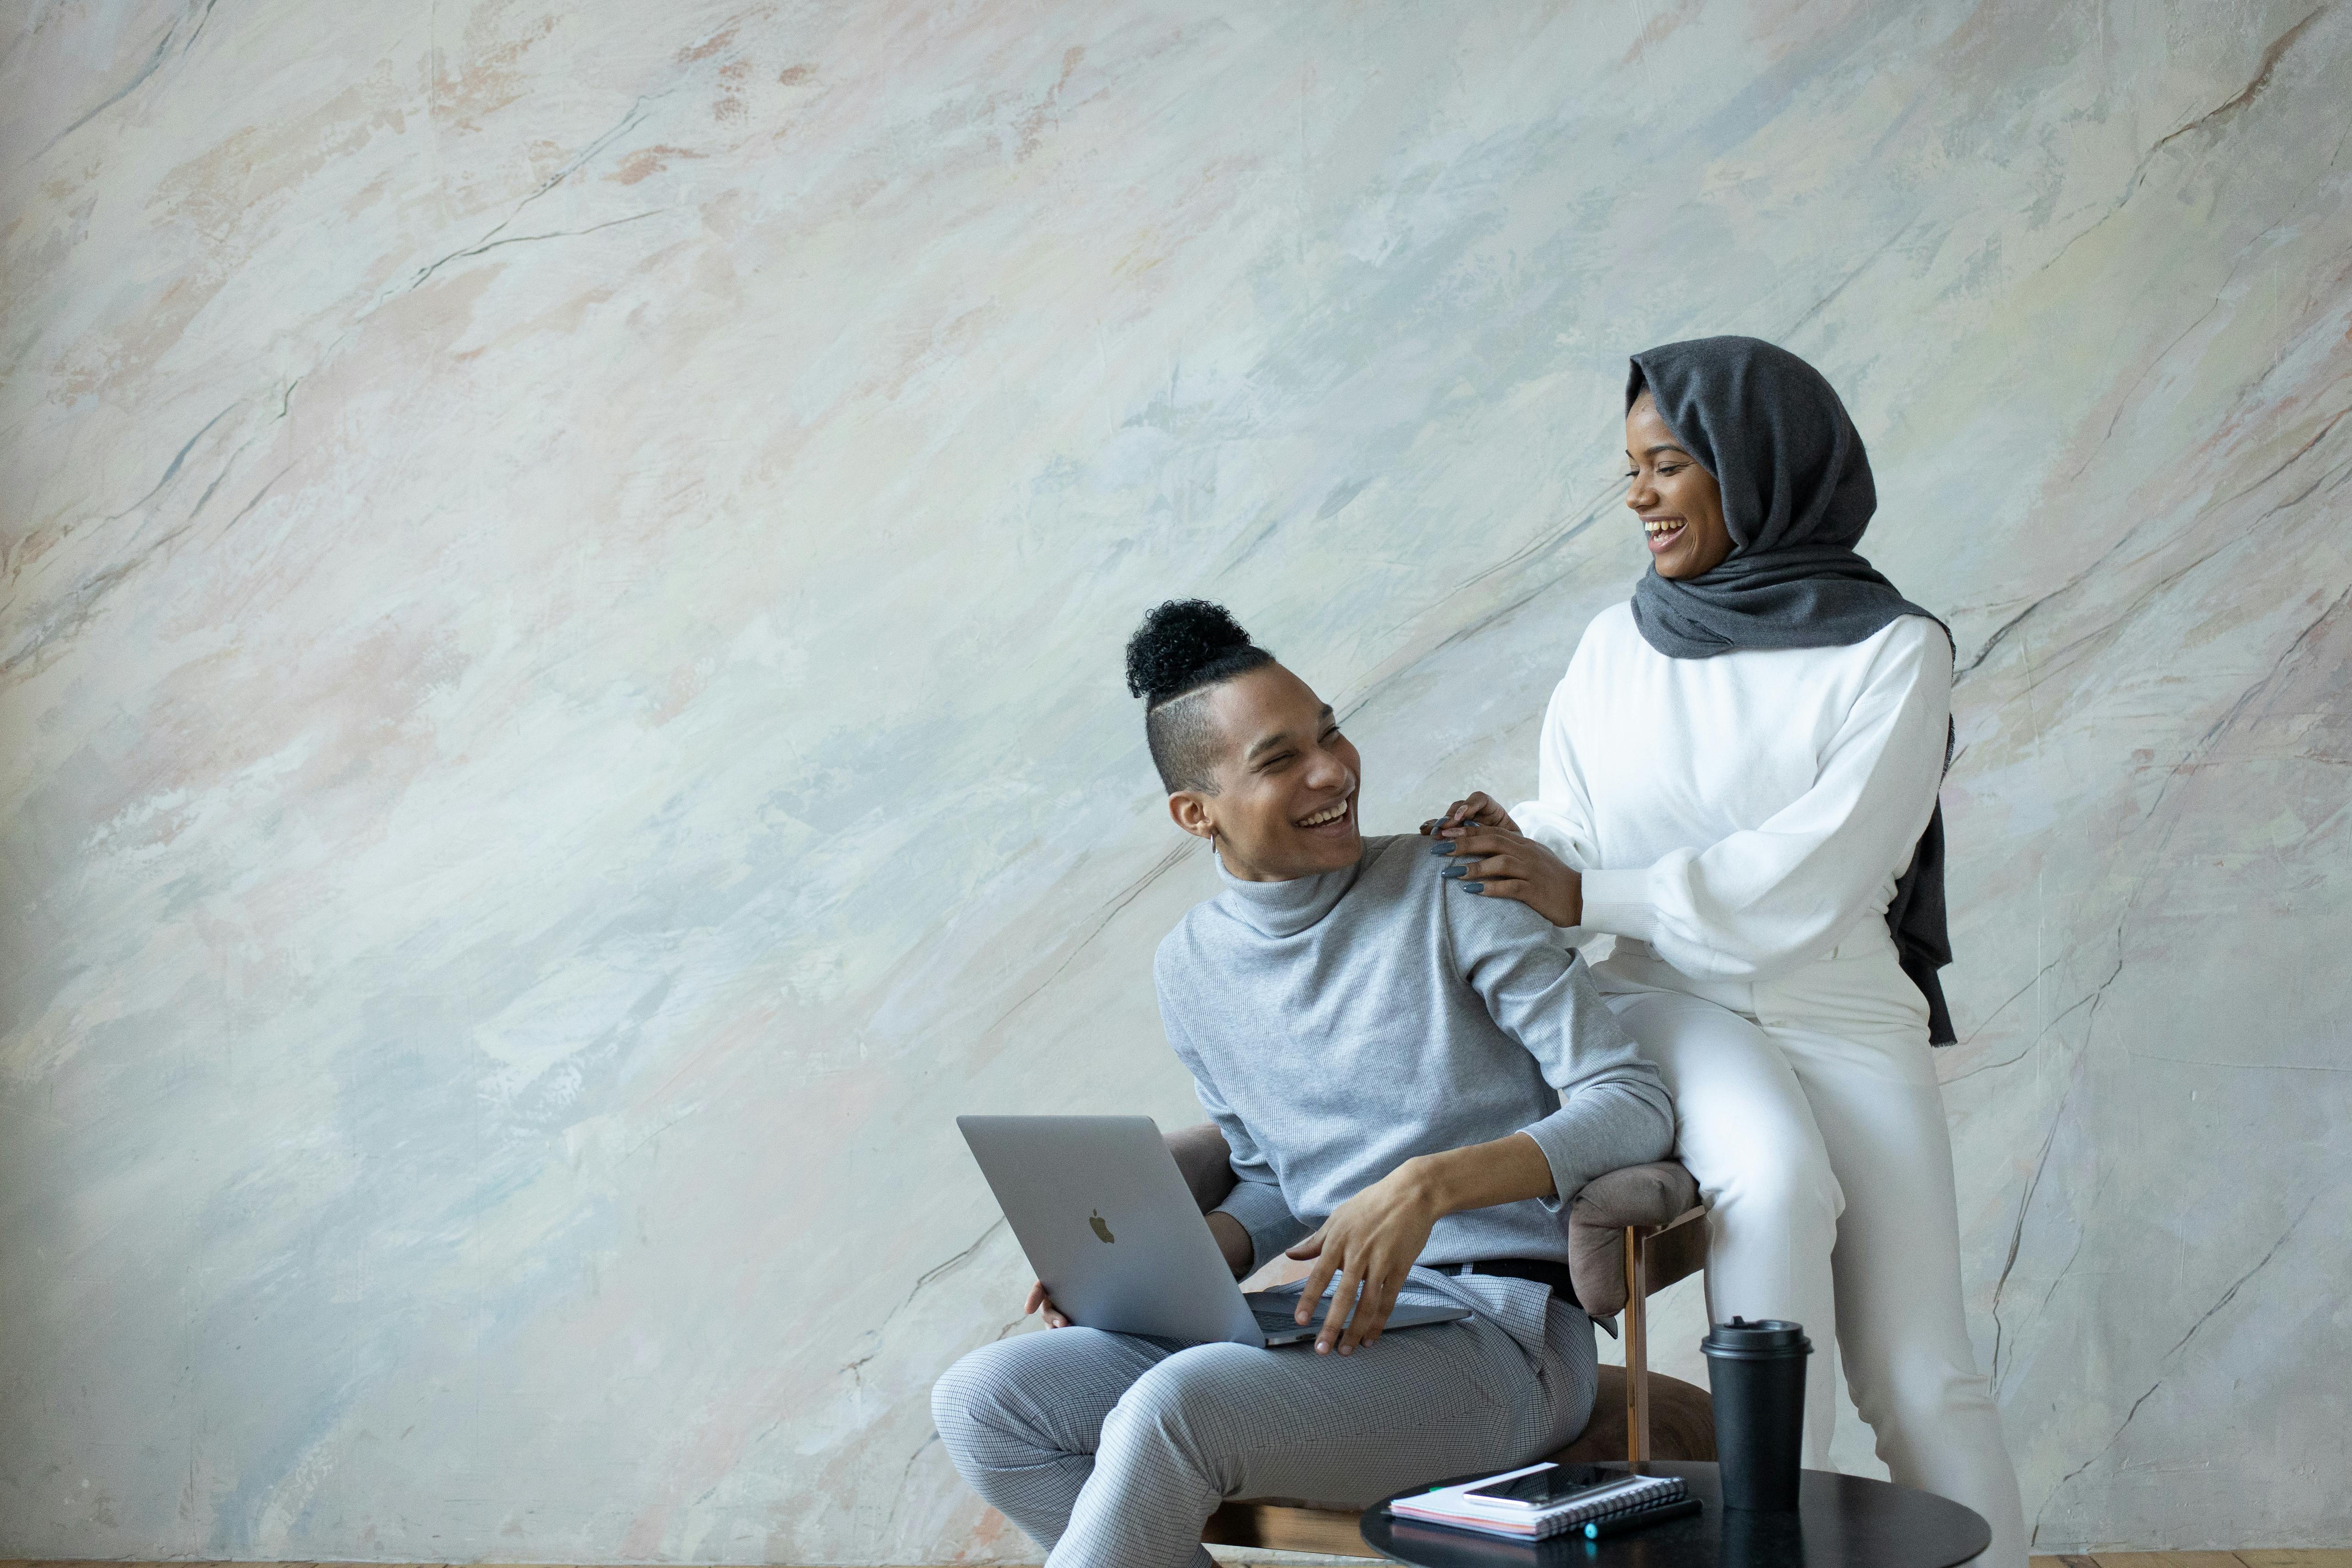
(1284, 805)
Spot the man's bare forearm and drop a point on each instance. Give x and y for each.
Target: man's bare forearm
(1371, 1241)
(1503, 1171)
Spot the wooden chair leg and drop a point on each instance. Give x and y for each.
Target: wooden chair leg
(1637, 1349)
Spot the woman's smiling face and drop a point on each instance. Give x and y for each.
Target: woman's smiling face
(1679, 503)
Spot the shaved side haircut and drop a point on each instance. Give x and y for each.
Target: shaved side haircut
(1184, 648)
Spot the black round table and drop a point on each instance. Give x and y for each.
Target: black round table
(1843, 1521)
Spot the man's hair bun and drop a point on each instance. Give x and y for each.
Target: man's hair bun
(1185, 645)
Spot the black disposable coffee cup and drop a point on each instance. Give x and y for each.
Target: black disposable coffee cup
(1757, 1373)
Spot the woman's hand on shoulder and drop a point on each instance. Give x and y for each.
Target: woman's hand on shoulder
(1499, 863)
(1478, 808)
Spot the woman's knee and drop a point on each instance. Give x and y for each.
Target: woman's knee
(1788, 1186)
(1742, 1121)
(1912, 1390)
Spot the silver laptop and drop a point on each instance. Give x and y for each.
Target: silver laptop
(1109, 1225)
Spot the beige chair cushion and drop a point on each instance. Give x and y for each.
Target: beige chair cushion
(1637, 1196)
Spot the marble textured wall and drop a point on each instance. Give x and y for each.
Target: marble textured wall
(558, 706)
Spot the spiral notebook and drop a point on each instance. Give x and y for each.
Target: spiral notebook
(1538, 1501)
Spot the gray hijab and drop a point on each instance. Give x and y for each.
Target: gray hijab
(1797, 494)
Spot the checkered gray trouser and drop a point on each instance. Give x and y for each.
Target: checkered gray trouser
(1112, 1450)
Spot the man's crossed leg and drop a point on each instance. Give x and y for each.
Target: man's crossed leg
(1113, 1449)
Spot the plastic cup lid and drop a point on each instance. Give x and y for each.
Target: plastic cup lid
(1744, 1336)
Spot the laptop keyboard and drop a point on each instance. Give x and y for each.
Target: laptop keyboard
(1275, 1319)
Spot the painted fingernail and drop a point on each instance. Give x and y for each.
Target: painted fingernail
(1472, 887)
(1442, 846)
(1454, 873)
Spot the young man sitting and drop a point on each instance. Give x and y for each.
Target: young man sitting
(1413, 1077)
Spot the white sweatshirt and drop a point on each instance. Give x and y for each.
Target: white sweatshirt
(1741, 814)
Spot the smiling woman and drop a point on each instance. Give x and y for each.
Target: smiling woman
(1680, 504)
(1738, 779)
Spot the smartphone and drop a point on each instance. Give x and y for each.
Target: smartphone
(1552, 1485)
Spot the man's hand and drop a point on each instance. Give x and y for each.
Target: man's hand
(1038, 1299)
(1370, 1242)
(1373, 1240)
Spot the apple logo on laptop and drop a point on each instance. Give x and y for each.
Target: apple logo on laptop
(1102, 1228)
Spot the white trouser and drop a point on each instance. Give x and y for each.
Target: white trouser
(1112, 1450)
(1808, 1109)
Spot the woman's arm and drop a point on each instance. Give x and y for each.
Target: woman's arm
(1561, 816)
(1503, 863)
(1780, 894)
(1533, 853)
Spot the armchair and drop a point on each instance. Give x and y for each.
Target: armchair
(1631, 1233)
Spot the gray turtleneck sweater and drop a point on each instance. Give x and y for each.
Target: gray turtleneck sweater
(1337, 1025)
